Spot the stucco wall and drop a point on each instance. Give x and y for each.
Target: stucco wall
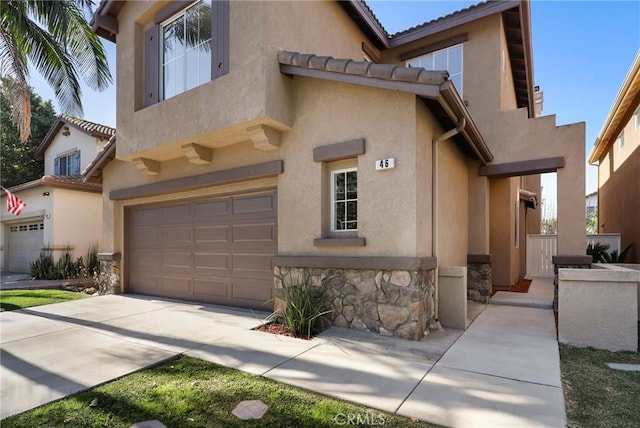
(77, 220)
(452, 205)
(64, 145)
(502, 224)
(479, 211)
(254, 90)
(619, 192)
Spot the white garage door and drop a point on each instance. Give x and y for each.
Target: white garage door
(25, 243)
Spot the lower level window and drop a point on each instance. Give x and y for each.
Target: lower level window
(344, 199)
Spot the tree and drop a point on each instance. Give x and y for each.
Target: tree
(17, 161)
(57, 39)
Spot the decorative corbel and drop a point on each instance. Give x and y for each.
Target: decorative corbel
(263, 137)
(148, 166)
(197, 154)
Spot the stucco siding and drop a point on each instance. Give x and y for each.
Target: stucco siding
(77, 220)
(452, 205)
(386, 199)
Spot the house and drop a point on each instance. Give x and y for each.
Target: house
(288, 140)
(616, 152)
(63, 213)
(591, 203)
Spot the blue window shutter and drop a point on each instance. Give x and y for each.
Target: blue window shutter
(56, 167)
(75, 166)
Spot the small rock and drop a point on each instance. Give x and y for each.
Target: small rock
(149, 424)
(250, 409)
(94, 402)
(90, 290)
(154, 384)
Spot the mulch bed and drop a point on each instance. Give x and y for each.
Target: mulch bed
(277, 328)
(520, 286)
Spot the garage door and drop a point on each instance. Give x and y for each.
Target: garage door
(25, 243)
(212, 250)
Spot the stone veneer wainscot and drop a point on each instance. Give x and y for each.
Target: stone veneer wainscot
(388, 302)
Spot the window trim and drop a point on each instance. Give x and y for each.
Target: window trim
(220, 33)
(636, 119)
(333, 201)
(69, 157)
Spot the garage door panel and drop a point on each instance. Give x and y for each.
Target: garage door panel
(251, 289)
(176, 214)
(145, 284)
(211, 288)
(149, 236)
(212, 261)
(212, 250)
(254, 233)
(176, 235)
(148, 216)
(176, 286)
(205, 210)
(254, 205)
(212, 234)
(177, 260)
(252, 263)
(146, 260)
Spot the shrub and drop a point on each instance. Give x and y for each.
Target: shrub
(67, 267)
(93, 264)
(44, 267)
(600, 254)
(304, 308)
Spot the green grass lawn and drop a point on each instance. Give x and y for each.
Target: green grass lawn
(188, 392)
(597, 396)
(10, 300)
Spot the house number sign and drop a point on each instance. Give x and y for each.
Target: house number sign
(387, 163)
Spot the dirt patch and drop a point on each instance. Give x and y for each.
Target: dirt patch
(281, 329)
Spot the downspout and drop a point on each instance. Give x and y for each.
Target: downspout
(434, 199)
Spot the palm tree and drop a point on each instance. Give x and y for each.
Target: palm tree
(56, 38)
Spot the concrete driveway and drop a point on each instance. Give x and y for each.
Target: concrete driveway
(450, 378)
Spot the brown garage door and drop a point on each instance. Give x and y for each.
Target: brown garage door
(210, 250)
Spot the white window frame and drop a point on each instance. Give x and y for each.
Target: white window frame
(161, 64)
(68, 163)
(334, 202)
(620, 141)
(433, 56)
(636, 119)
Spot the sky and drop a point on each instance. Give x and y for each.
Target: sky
(582, 51)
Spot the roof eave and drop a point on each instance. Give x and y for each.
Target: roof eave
(93, 172)
(456, 20)
(628, 94)
(104, 22)
(453, 104)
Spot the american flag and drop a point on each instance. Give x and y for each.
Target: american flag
(15, 205)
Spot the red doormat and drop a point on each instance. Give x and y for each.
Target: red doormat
(520, 286)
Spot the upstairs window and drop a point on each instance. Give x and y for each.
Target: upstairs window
(620, 141)
(188, 46)
(344, 200)
(636, 119)
(186, 49)
(449, 59)
(67, 164)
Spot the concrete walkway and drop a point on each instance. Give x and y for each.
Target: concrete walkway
(502, 371)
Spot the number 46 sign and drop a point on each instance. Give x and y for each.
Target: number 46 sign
(387, 163)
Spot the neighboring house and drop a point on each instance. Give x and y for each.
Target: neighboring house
(591, 201)
(616, 151)
(63, 211)
(262, 146)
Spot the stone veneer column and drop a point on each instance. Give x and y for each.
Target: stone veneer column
(109, 278)
(388, 302)
(479, 277)
(571, 262)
